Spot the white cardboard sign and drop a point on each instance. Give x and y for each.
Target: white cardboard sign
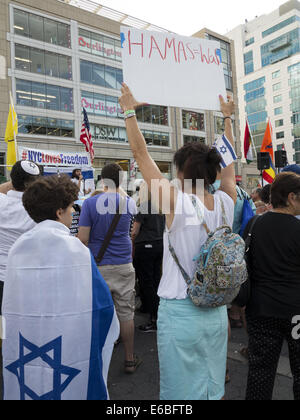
(171, 70)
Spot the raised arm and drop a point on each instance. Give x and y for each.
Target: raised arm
(228, 181)
(4, 188)
(160, 188)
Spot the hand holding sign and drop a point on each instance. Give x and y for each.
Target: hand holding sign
(127, 100)
(170, 70)
(227, 108)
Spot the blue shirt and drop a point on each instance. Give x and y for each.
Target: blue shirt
(98, 213)
(238, 210)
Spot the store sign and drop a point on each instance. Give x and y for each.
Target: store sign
(2, 68)
(98, 48)
(176, 71)
(47, 157)
(105, 108)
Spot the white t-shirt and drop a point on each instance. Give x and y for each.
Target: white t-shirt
(76, 181)
(14, 221)
(187, 235)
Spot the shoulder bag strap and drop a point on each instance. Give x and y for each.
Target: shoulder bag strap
(249, 236)
(183, 272)
(111, 230)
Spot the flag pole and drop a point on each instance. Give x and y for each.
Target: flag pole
(12, 117)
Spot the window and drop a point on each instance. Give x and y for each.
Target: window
(42, 29)
(280, 25)
(100, 45)
(279, 123)
(36, 27)
(40, 95)
(23, 90)
(43, 62)
(280, 135)
(41, 126)
(280, 48)
(50, 28)
(276, 87)
(51, 64)
(278, 111)
(101, 75)
(64, 35)
(219, 125)
(37, 61)
(153, 115)
(248, 61)
(277, 99)
(193, 139)
(193, 121)
(21, 23)
(249, 42)
(255, 84)
(22, 58)
(276, 74)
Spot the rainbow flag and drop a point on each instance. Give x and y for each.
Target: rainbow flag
(267, 147)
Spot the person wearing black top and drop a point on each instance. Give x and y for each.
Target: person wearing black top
(275, 289)
(147, 234)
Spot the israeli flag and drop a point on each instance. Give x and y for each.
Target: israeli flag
(60, 319)
(226, 151)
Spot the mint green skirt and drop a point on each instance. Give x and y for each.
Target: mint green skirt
(192, 347)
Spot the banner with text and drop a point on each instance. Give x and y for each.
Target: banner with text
(48, 157)
(167, 69)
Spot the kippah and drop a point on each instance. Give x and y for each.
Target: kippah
(30, 168)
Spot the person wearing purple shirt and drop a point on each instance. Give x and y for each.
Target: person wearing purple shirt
(116, 267)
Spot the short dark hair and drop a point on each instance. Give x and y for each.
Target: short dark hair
(265, 194)
(21, 179)
(112, 172)
(284, 184)
(46, 196)
(198, 161)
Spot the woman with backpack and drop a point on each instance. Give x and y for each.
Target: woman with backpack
(192, 341)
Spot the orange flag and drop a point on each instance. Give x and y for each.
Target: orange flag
(267, 147)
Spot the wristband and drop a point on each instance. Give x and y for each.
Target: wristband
(228, 118)
(130, 111)
(129, 114)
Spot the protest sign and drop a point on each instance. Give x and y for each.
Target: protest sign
(171, 70)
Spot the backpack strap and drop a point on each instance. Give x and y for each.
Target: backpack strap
(199, 214)
(183, 272)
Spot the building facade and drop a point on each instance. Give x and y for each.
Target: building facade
(57, 59)
(268, 73)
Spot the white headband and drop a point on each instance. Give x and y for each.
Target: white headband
(30, 168)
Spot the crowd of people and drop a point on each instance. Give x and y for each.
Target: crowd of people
(77, 293)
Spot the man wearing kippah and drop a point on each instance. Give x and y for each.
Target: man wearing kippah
(14, 220)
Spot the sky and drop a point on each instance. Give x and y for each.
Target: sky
(187, 17)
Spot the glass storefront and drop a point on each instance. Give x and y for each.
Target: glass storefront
(153, 114)
(99, 45)
(42, 29)
(109, 134)
(101, 75)
(42, 126)
(44, 96)
(193, 121)
(193, 139)
(42, 62)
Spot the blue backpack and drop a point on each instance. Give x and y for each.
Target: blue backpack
(221, 267)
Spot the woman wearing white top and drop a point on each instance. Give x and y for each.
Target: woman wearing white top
(192, 342)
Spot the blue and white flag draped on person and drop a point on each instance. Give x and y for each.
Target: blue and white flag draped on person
(226, 150)
(60, 319)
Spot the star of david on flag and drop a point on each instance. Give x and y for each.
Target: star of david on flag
(227, 153)
(35, 352)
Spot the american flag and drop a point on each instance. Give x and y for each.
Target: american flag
(86, 136)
